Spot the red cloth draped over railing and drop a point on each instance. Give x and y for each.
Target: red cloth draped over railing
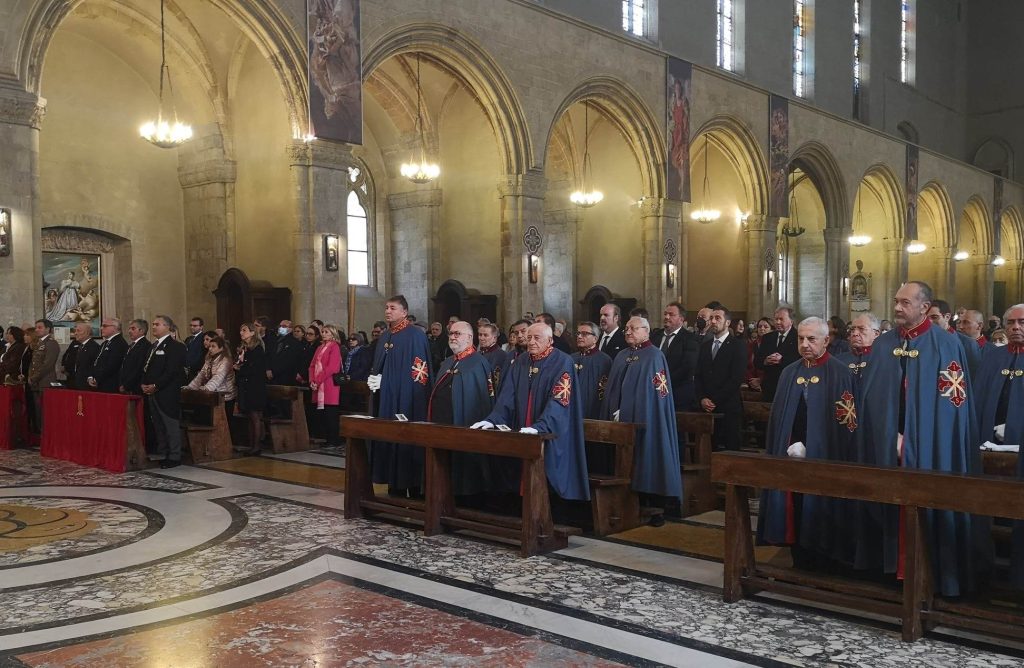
(93, 429)
(13, 416)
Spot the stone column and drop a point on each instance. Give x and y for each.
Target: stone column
(560, 252)
(984, 275)
(415, 247)
(21, 114)
(320, 178)
(945, 283)
(762, 257)
(837, 269)
(662, 228)
(895, 269)
(207, 180)
(1013, 285)
(522, 205)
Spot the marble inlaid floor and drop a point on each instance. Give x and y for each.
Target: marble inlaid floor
(251, 563)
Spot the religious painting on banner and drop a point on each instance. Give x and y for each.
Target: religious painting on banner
(72, 289)
(778, 156)
(679, 76)
(912, 171)
(335, 70)
(997, 216)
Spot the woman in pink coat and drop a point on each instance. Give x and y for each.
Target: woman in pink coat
(326, 395)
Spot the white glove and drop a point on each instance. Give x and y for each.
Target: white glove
(615, 416)
(374, 382)
(527, 430)
(899, 445)
(482, 424)
(1000, 432)
(798, 450)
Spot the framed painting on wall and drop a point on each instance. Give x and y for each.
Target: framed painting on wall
(72, 285)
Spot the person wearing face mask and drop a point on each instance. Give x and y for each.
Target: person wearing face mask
(286, 357)
(998, 338)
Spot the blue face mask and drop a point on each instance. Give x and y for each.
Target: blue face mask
(283, 331)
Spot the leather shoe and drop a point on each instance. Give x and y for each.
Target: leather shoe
(169, 463)
(656, 520)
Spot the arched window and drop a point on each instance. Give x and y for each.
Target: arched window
(907, 130)
(358, 229)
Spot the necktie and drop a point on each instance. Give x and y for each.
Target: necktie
(604, 340)
(145, 367)
(714, 348)
(782, 339)
(667, 341)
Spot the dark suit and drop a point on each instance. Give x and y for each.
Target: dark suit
(769, 345)
(195, 354)
(165, 368)
(130, 375)
(284, 363)
(719, 380)
(613, 345)
(681, 354)
(83, 364)
(68, 360)
(106, 368)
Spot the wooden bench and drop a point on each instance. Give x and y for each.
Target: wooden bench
(698, 492)
(535, 530)
(207, 432)
(356, 398)
(751, 395)
(288, 434)
(615, 506)
(915, 491)
(755, 418)
(999, 463)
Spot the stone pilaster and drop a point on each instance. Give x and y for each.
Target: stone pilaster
(945, 283)
(837, 268)
(661, 230)
(21, 114)
(895, 270)
(561, 248)
(521, 198)
(207, 180)
(1014, 276)
(416, 247)
(320, 178)
(762, 258)
(984, 275)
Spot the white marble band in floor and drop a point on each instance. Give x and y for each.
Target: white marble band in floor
(314, 458)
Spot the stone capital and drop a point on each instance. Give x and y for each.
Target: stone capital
(202, 172)
(562, 216)
(18, 107)
(415, 198)
(321, 153)
(894, 245)
(661, 208)
(532, 184)
(758, 222)
(836, 234)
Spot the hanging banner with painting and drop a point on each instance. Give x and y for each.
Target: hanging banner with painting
(71, 289)
(679, 77)
(913, 159)
(997, 216)
(335, 70)
(778, 156)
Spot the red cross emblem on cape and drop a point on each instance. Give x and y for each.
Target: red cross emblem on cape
(846, 411)
(490, 387)
(953, 384)
(601, 382)
(420, 372)
(660, 381)
(562, 391)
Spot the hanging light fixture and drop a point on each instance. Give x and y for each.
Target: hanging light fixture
(160, 132)
(422, 170)
(916, 248)
(859, 240)
(706, 215)
(586, 196)
(792, 227)
(960, 256)
(999, 260)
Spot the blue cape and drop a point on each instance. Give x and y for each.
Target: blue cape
(472, 400)
(640, 389)
(403, 359)
(857, 365)
(550, 400)
(827, 390)
(592, 370)
(939, 436)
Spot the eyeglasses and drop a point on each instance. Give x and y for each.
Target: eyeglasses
(585, 334)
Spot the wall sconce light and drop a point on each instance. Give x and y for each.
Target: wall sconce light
(534, 267)
(846, 285)
(5, 232)
(769, 280)
(532, 243)
(670, 275)
(332, 247)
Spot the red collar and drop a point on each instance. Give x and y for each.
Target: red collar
(951, 330)
(645, 344)
(395, 329)
(981, 341)
(587, 353)
(1015, 349)
(489, 349)
(916, 331)
(464, 354)
(537, 358)
(818, 362)
(864, 351)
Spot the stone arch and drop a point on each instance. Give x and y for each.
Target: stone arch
(1012, 245)
(934, 198)
(634, 121)
(976, 215)
(995, 155)
(469, 62)
(908, 132)
(744, 153)
(110, 241)
(881, 182)
(815, 160)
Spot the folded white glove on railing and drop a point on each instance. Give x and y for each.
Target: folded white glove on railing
(615, 416)
(798, 450)
(482, 424)
(527, 430)
(1000, 432)
(374, 382)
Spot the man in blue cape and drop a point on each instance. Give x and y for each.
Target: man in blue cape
(401, 374)
(538, 395)
(813, 416)
(463, 394)
(999, 399)
(491, 350)
(864, 329)
(640, 391)
(592, 367)
(917, 412)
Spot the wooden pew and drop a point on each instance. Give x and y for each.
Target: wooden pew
(356, 398)
(999, 463)
(751, 395)
(535, 530)
(755, 417)
(615, 506)
(916, 491)
(288, 434)
(207, 433)
(698, 492)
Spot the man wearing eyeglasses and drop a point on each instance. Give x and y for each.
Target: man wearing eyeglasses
(863, 331)
(592, 367)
